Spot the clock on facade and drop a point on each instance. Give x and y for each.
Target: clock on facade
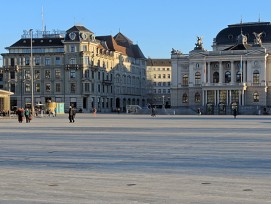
(72, 36)
(83, 36)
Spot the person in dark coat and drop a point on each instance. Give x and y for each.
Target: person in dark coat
(234, 113)
(20, 113)
(71, 114)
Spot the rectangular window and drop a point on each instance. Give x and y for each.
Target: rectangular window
(58, 61)
(27, 74)
(72, 48)
(86, 60)
(37, 87)
(86, 87)
(72, 61)
(57, 74)
(37, 61)
(58, 85)
(72, 74)
(12, 88)
(37, 74)
(92, 87)
(12, 74)
(47, 61)
(27, 88)
(47, 74)
(73, 87)
(27, 61)
(87, 74)
(48, 87)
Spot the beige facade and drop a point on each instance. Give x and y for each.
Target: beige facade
(77, 68)
(159, 82)
(235, 74)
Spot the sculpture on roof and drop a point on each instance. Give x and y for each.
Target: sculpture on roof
(258, 40)
(199, 44)
(175, 52)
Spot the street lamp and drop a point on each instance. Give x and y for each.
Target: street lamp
(32, 72)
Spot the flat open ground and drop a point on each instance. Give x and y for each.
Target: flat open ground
(136, 159)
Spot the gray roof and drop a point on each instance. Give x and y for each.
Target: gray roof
(158, 62)
(229, 35)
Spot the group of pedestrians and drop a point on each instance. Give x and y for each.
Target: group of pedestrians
(24, 113)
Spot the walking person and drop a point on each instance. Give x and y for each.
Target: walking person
(94, 112)
(20, 114)
(27, 115)
(71, 114)
(234, 113)
(153, 112)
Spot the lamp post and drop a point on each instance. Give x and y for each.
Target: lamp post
(32, 73)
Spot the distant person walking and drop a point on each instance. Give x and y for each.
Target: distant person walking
(94, 112)
(71, 114)
(27, 115)
(199, 111)
(153, 114)
(234, 113)
(20, 114)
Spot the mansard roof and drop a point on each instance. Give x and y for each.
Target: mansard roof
(229, 35)
(159, 62)
(123, 40)
(122, 46)
(77, 28)
(38, 42)
(239, 47)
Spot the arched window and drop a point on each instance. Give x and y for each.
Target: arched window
(197, 97)
(215, 77)
(185, 98)
(256, 77)
(256, 97)
(185, 80)
(227, 77)
(238, 77)
(197, 78)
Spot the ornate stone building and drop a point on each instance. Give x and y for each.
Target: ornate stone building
(77, 68)
(235, 74)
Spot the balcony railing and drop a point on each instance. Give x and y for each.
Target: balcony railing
(107, 82)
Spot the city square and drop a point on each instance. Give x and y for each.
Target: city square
(129, 158)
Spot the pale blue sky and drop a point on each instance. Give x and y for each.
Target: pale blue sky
(156, 26)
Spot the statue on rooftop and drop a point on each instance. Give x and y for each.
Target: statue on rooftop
(258, 40)
(199, 44)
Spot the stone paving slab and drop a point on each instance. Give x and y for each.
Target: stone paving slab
(136, 159)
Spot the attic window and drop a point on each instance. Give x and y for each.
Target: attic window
(41, 41)
(24, 41)
(230, 36)
(50, 41)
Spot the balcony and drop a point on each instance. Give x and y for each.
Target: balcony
(72, 66)
(107, 82)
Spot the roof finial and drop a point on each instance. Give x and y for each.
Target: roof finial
(119, 30)
(241, 20)
(259, 20)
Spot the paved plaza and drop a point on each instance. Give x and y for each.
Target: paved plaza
(123, 159)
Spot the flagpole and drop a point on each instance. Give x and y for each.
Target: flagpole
(241, 69)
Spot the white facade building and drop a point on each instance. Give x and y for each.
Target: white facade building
(236, 74)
